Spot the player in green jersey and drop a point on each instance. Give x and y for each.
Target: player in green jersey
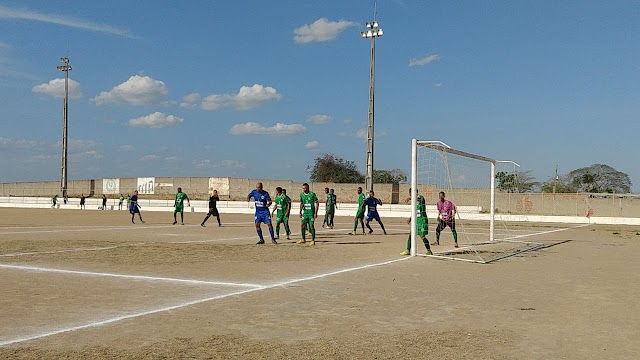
(422, 223)
(283, 210)
(308, 212)
(360, 213)
(329, 209)
(179, 206)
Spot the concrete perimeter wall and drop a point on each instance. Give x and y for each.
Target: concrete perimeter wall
(236, 189)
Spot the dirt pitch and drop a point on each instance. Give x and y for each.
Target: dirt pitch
(91, 285)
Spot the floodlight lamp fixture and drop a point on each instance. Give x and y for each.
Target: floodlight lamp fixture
(368, 25)
(375, 24)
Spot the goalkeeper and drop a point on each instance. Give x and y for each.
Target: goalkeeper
(422, 223)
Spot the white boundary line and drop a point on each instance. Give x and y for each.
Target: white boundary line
(69, 250)
(190, 303)
(123, 276)
(132, 227)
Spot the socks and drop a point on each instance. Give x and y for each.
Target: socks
(259, 231)
(271, 233)
(278, 229)
(455, 236)
(286, 228)
(303, 230)
(313, 234)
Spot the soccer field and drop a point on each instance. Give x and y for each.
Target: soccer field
(89, 284)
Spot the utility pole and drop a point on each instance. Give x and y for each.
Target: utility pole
(63, 177)
(555, 180)
(373, 31)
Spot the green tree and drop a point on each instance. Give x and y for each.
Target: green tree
(330, 168)
(394, 176)
(596, 178)
(518, 182)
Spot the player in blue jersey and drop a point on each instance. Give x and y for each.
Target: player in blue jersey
(262, 202)
(134, 208)
(372, 203)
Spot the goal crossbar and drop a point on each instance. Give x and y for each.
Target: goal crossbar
(443, 147)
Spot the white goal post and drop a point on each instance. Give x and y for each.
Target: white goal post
(444, 151)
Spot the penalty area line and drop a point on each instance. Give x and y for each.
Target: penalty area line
(190, 303)
(124, 276)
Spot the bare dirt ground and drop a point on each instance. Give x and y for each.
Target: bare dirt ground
(91, 285)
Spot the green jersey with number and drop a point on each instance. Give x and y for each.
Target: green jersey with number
(282, 204)
(308, 203)
(180, 200)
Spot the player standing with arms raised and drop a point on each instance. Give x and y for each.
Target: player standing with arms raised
(308, 213)
(213, 209)
(446, 217)
(262, 201)
(179, 206)
(372, 203)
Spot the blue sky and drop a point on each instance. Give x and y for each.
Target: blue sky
(260, 88)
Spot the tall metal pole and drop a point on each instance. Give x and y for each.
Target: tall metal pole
(63, 177)
(370, 118)
(372, 32)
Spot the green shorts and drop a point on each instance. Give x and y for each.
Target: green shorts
(422, 225)
(179, 209)
(330, 210)
(282, 219)
(360, 215)
(307, 219)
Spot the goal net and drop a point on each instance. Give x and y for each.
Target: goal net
(468, 182)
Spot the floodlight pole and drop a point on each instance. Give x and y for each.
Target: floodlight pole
(63, 178)
(372, 32)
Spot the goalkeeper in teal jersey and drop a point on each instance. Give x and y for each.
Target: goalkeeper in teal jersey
(360, 213)
(422, 223)
(179, 206)
(282, 209)
(308, 213)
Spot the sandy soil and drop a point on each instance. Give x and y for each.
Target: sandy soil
(157, 291)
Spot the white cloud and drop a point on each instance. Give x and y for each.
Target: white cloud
(228, 164)
(438, 84)
(312, 145)
(126, 148)
(319, 119)
(149, 158)
(190, 101)
(138, 90)
(278, 129)
(424, 61)
(156, 120)
(55, 88)
(171, 158)
(21, 144)
(320, 30)
(247, 98)
(88, 154)
(21, 14)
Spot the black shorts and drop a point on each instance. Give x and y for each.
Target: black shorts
(213, 212)
(443, 224)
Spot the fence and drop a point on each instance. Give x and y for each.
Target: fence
(235, 189)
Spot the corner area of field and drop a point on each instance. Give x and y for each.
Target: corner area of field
(91, 285)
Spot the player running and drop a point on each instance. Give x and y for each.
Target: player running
(179, 206)
(372, 203)
(134, 208)
(282, 209)
(213, 209)
(360, 213)
(422, 223)
(262, 201)
(308, 212)
(446, 217)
